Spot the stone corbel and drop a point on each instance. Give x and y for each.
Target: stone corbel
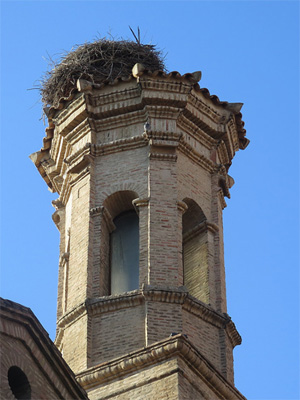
(64, 258)
(56, 217)
(137, 203)
(57, 204)
(182, 206)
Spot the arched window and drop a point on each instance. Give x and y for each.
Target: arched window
(195, 251)
(19, 384)
(124, 253)
(119, 244)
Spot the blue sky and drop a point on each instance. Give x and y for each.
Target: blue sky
(248, 51)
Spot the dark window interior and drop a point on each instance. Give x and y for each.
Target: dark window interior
(18, 383)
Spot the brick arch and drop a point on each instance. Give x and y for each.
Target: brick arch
(195, 251)
(119, 202)
(193, 216)
(131, 186)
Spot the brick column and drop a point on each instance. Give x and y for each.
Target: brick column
(141, 205)
(219, 268)
(163, 228)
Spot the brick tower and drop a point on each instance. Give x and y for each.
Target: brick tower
(141, 169)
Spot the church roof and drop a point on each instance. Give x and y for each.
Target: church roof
(26, 344)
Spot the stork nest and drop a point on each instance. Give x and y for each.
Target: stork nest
(102, 60)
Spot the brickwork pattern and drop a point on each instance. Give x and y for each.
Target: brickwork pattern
(106, 161)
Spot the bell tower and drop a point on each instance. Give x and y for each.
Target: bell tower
(141, 165)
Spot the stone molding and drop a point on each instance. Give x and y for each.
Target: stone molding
(163, 156)
(137, 297)
(164, 294)
(191, 129)
(232, 333)
(119, 145)
(151, 95)
(177, 346)
(198, 158)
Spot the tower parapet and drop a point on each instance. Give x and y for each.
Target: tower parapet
(141, 168)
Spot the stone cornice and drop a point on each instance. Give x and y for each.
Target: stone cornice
(234, 336)
(135, 298)
(119, 145)
(217, 115)
(190, 128)
(78, 157)
(164, 294)
(198, 158)
(78, 177)
(104, 104)
(71, 116)
(163, 156)
(177, 346)
(205, 312)
(120, 120)
(101, 305)
(158, 96)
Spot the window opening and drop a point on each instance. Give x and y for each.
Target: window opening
(19, 383)
(124, 257)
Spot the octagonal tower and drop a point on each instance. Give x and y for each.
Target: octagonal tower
(141, 169)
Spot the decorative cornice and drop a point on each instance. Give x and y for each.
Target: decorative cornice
(119, 145)
(163, 156)
(233, 133)
(101, 305)
(79, 158)
(193, 130)
(211, 113)
(120, 120)
(222, 152)
(164, 294)
(234, 336)
(113, 303)
(71, 116)
(161, 137)
(205, 312)
(135, 298)
(72, 316)
(198, 158)
(176, 346)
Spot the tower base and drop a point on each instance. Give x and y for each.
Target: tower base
(169, 369)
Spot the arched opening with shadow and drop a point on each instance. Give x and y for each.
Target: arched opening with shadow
(19, 383)
(124, 253)
(123, 271)
(195, 251)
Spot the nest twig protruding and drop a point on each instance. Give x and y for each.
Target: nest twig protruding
(102, 60)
